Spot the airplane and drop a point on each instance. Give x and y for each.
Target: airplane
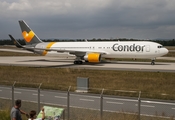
(91, 51)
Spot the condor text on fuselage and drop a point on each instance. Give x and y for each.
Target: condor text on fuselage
(128, 48)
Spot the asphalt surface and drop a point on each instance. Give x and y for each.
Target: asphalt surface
(44, 61)
(91, 101)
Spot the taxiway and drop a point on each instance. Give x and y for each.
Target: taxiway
(43, 61)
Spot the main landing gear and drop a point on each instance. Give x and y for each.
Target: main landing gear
(78, 62)
(153, 62)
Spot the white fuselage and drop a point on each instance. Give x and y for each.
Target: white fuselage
(114, 49)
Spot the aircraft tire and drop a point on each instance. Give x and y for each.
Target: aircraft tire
(86, 61)
(152, 63)
(78, 62)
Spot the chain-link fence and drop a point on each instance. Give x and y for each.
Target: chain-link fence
(97, 103)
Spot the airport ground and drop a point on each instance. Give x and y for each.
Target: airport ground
(152, 84)
(121, 75)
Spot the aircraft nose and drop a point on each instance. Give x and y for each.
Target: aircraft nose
(166, 51)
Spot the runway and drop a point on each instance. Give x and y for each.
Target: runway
(55, 62)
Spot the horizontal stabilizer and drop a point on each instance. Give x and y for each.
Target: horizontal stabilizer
(15, 42)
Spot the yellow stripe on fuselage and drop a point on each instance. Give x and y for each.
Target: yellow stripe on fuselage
(47, 47)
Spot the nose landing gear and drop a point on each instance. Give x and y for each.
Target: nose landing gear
(153, 61)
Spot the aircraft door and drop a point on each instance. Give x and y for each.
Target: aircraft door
(147, 48)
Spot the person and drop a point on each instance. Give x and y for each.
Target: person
(15, 113)
(33, 116)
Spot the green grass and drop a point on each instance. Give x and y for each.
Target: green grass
(151, 84)
(2, 53)
(5, 115)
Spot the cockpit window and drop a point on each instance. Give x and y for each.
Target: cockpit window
(159, 46)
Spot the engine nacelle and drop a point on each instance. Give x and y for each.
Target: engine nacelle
(93, 57)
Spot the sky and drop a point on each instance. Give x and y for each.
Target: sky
(88, 19)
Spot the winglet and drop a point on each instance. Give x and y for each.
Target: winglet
(15, 42)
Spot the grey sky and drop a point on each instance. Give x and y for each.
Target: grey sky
(88, 19)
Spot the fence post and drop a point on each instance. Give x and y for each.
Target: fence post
(64, 115)
(39, 97)
(68, 101)
(13, 93)
(101, 104)
(139, 103)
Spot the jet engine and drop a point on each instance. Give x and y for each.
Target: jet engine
(92, 57)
